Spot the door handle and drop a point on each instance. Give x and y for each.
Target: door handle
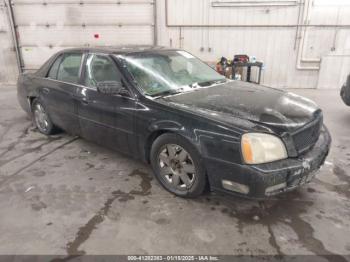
(46, 90)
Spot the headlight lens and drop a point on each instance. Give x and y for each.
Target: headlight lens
(258, 148)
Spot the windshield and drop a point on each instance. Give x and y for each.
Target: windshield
(169, 72)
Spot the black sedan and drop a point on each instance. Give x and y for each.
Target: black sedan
(196, 128)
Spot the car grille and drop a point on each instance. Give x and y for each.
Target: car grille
(307, 136)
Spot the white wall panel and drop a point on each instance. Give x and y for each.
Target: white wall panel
(108, 35)
(45, 28)
(343, 40)
(88, 14)
(200, 12)
(39, 44)
(8, 65)
(334, 65)
(66, 2)
(330, 14)
(276, 45)
(34, 57)
(318, 42)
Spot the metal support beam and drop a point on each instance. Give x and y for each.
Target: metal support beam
(155, 23)
(11, 17)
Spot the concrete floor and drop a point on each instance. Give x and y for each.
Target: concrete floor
(62, 195)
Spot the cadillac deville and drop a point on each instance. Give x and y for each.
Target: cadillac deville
(197, 129)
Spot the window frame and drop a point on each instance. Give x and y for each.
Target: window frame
(80, 66)
(125, 81)
(108, 57)
(62, 56)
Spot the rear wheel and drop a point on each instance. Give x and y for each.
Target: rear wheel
(41, 119)
(178, 166)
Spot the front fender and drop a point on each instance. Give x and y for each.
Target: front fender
(160, 127)
(211, 139)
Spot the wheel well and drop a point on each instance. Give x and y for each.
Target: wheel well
(150, 141)
(148, 147)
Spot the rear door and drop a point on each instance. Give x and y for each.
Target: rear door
(105, 119)
(58, 90)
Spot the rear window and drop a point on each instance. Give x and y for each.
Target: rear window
(54, 68)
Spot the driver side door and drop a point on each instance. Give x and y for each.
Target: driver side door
(106, 119)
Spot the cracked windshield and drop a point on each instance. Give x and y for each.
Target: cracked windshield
(170, 72)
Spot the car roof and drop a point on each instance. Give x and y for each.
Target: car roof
(129, 49)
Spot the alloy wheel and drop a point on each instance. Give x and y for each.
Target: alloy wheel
(177, 168)
(41, 118)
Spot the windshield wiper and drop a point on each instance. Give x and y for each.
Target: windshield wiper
(166, 92)
(212, 82)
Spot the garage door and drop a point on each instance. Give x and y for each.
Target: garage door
(47, 26)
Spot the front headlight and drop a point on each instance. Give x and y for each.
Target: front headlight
(258, 148)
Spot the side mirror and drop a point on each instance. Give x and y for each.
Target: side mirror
(112, 88)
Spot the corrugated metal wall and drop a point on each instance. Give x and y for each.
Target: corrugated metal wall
(277, 32)
(268, 30)
(8, 65)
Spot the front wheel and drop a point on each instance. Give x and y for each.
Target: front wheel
(177, 166)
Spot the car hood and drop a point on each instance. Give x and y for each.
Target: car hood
(265, 107)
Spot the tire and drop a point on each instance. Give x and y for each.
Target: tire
(41, 118)
(178, 166)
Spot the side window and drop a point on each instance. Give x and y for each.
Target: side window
(68, 70)
(100, 68)
(54, 68)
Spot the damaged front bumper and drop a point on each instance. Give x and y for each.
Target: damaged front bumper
(265, 180)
